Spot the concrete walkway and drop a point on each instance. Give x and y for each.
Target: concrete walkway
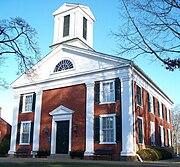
(164, 163)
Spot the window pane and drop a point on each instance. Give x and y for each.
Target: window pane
(108, 92)
(139, 95)
(25, 138)
(25, 132)
(152, 133)
(140, 131)
(107, 129)
(63, 65)
(162, 136)
(28, 102)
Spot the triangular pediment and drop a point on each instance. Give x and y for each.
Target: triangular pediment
(61, 110)
(85, 62)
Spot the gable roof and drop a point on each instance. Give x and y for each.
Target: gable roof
(5, 122)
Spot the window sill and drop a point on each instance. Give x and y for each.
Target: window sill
(26, 112)
(107, 102)
(140, 106)
(23, 144)
(107, 143)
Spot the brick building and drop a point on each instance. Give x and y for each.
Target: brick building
(5, 128)
(81, 99)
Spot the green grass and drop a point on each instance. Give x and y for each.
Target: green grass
(47, 164)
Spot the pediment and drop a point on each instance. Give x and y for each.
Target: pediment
(84, 62)
(61, 110)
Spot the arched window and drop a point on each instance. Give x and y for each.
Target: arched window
(63, 65)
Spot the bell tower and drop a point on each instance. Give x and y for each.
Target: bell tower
(73, 24)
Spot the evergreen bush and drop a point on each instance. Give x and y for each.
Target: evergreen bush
(154, 154)
(4, 146)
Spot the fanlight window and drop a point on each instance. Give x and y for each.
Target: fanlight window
(63, 65)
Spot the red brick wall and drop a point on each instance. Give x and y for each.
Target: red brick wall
(143, 112)
(74, 98)
(5, 129)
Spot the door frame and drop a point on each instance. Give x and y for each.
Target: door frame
(60, 114)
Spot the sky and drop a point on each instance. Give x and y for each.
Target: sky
(38, 13)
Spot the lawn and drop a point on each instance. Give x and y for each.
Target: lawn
(74, 164)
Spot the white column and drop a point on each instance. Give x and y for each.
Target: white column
(127, 118)
(89, 119)
(14, 124)
(37, 120)
(53, 136)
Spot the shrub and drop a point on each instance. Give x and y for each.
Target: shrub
(4, 146)
(158, 153)
(165, 154)
(43, 153)
(77, 153)
(148, 154)
(154, 154)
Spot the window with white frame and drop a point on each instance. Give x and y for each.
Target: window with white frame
(28, 103)
(160, 109)
(25, 132)
(152, 133)
(63, 65)
(139, 95)
(167, 116)
(162, 136)
(140, 131)
(169, 137)
(150, 103)
(107, 129)
(107, 91)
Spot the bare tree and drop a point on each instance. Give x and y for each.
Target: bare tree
(17, 38)
(176, 127)
(151, 28)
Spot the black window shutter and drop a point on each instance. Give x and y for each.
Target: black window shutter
(84, 28)
(118, 128)
(96, 130)
(34, 102)
(97, 92)
(21, 103)
(140, 133)
(18, 133)
(31, 133)
(148, 102)
(117, 89)
(66, 25)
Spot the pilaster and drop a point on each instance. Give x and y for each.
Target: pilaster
(89, 119)
(127, 118)
(37, 120)
(14, 124)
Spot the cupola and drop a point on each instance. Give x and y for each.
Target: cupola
(73, 24)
